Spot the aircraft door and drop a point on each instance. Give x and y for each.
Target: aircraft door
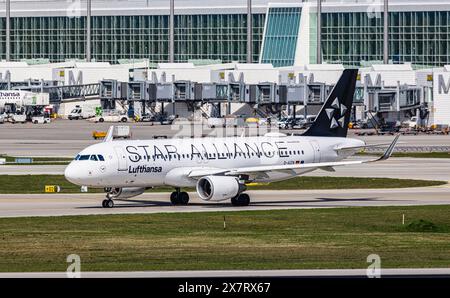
(121, 159)
(316, 149)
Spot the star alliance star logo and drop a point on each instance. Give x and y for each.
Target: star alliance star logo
(339, 110)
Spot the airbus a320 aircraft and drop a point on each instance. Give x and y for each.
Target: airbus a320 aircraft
(220, 168)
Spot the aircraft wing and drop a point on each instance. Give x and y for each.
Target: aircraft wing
(343, 148)
(287, 168)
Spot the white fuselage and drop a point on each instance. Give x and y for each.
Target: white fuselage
(167, 162)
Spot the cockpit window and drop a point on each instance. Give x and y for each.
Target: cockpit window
(90, 157)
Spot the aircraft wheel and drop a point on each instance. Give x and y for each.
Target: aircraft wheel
(241, 200)
(174, 198)
(183, 198)
(108, 204)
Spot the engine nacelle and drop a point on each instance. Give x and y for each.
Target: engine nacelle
(218, 188)
(125, 192)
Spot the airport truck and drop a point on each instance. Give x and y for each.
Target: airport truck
(18, 118)
(81, 113)
(40, 119)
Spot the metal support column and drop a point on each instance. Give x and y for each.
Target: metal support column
(172, 32)
(319, 32)
(249, 32)
(88, 30)
(8, 30)
(386, 33)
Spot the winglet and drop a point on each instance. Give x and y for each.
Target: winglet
(109, 135)
(389, 150)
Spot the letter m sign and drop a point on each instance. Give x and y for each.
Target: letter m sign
(442, 85)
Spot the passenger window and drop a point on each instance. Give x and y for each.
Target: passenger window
(100, 157)
(94, 157)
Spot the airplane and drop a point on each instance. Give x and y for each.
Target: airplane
(221, 168)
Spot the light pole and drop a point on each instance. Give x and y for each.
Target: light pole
(8, 30)
(319, 32)
(88, 30)
(172, 32)
(249, 32)
(386, 33)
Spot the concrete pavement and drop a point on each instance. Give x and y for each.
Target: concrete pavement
(18, 205)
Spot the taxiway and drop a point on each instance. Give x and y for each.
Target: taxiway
(18, 205)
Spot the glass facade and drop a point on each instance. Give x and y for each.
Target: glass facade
(2, 38)
(422, 38)
(222, 37)
(54, 38)
(130, 37)
(351, 38)
(214, 37)
(280, 40)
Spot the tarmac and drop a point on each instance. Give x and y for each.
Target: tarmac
(31, 205)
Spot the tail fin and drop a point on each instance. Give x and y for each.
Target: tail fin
(334, 116)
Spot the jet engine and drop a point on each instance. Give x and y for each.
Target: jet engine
(218, 188)
(125, 192)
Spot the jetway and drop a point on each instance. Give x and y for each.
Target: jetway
(211, 92)
(142, 95)
(394, 104)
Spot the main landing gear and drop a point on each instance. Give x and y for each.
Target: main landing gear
(242, 199)
(179, 197)
(108, 203)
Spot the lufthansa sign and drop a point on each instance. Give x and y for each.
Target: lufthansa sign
(9, 94)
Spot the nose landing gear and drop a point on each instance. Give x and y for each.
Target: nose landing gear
(108, 202)
(179, 197)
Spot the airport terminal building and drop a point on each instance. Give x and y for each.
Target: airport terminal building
(284, 31)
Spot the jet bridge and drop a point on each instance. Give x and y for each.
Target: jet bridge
(139, 97)
(111, 91)
(394, 103)
(211, 91)
(183, 90)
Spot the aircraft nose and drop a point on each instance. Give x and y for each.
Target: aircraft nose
(73, 174)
